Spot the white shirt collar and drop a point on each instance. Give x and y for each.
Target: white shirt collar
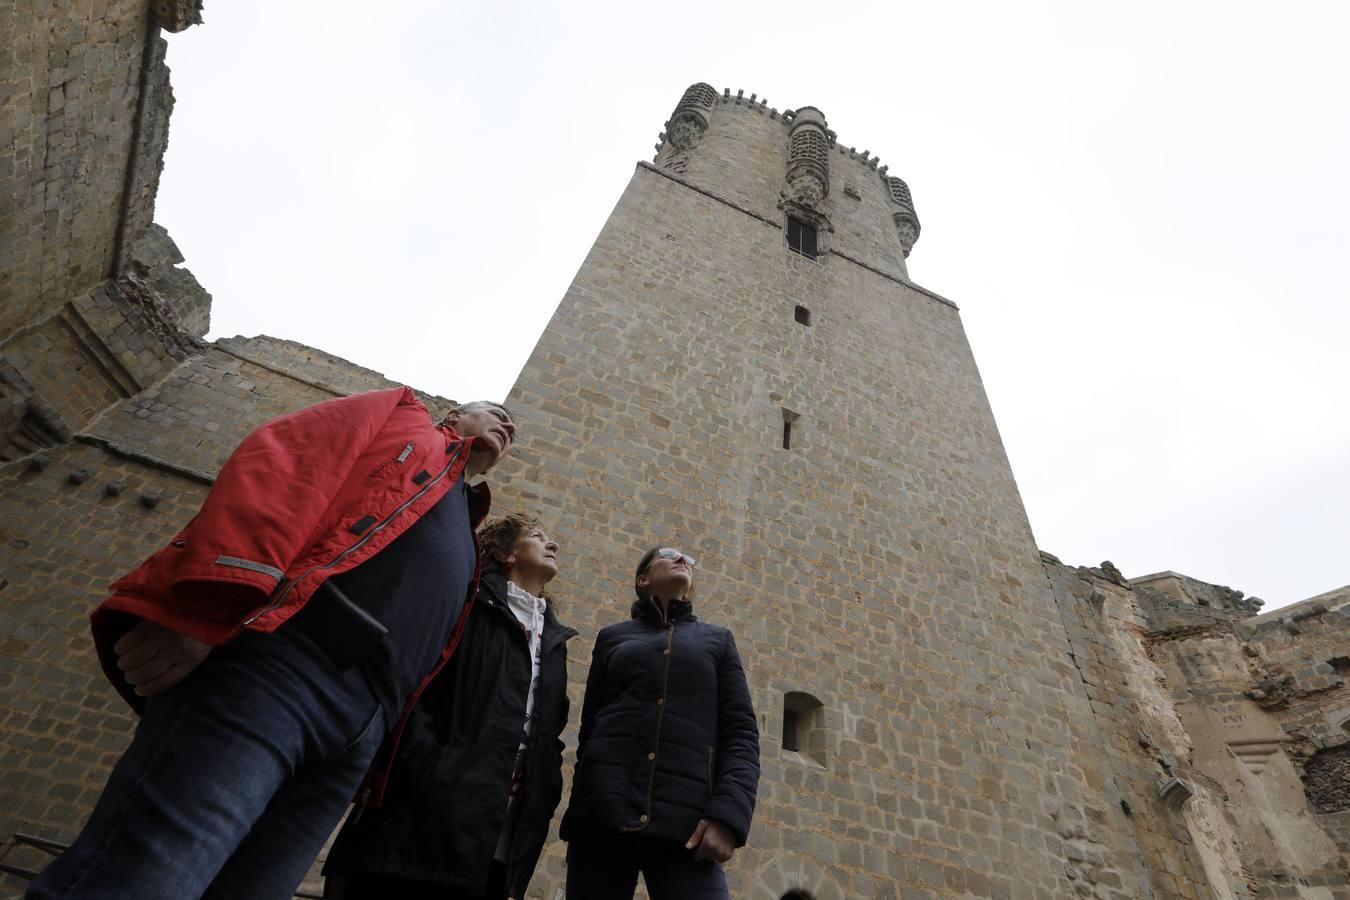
(524, 598)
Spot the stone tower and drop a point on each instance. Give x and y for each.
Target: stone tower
(743, 368)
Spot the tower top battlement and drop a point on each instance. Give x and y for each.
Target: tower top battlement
(792, 154)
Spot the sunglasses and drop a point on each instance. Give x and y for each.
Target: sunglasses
(671, 553)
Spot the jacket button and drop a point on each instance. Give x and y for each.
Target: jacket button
(660, 701)
(651, 756)
(665, 651)
(643, 818)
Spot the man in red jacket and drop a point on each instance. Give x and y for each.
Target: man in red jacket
(278, 641)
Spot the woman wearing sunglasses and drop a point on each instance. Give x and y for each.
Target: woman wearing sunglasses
(668, 755)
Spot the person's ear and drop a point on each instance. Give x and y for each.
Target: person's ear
(643, 581)
(451, 418)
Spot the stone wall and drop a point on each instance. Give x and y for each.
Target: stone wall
(69, 526)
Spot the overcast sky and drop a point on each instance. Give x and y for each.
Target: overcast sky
(1140, 208)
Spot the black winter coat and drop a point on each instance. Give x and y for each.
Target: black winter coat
(668, 733)
(446, 804)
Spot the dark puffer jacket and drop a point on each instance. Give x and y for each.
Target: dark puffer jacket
(668, 733)
(447, 799)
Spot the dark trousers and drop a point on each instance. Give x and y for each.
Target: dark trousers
(232, 783)
(362, 886)
(606, 867)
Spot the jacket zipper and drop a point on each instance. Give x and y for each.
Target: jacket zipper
(361, 804)
(660, 716)
(407, 452)
(285, 591)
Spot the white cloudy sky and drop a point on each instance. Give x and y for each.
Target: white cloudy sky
(1140, 208)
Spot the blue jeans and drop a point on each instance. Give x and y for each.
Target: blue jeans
(606, 867)
(234, 780)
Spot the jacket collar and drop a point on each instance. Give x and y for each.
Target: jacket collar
(492, 590)
(480, 495)
(648, 610)
(480, 501)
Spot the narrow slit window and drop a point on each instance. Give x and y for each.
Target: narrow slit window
(803, 316)
(789, 417)
(801, 238)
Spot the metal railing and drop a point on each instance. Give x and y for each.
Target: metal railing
(55, 849)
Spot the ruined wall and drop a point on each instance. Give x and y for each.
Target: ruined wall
(1170, 812)
(102, 346)
(1225, 731)
(80, 147)
(1253, 702)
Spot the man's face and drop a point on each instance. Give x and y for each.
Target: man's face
(491, 425)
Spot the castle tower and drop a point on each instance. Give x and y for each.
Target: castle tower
(742, 368)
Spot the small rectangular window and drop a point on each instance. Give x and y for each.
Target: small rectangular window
(801, 238)
(790, 729)
(803, 315)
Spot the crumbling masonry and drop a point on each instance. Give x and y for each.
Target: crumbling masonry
(742, 366)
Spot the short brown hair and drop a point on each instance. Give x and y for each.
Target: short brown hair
(497, 538)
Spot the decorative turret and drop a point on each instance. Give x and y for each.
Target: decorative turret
(906, 220)
(808, 168)
(690, 119)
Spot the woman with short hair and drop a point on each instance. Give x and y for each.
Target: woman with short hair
(479, 772)
(668, 756)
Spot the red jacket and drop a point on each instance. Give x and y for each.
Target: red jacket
(305, 496)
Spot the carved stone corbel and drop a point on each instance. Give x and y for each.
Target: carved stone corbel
(1175, 793)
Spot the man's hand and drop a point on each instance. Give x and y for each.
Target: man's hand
(155, 658)
(711, 840)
